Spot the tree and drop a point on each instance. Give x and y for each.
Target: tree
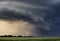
(19, 36)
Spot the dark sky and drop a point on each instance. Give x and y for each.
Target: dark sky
(44, 14)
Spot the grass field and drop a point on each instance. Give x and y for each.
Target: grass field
(29, 39)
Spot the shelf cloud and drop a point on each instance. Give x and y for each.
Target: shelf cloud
(37, 17)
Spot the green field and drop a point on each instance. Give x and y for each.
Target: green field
(29, 39)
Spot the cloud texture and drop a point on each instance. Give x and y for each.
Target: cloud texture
(42, 15)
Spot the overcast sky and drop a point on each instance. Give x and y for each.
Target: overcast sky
(30, 17)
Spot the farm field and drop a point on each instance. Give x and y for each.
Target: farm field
(29, 39)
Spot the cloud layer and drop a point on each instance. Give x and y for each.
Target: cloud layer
(43, 14)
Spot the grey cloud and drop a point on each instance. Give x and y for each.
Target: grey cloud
(38, 12)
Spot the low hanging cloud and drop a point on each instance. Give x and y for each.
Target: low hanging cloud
(22, 11)
(40, 18)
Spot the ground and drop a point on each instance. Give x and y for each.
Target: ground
(29, 39)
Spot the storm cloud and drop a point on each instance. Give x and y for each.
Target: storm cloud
(42, 15)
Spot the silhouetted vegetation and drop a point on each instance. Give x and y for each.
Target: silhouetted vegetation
(27, 38)
(15, 36)
(19, 36)
(6, 36)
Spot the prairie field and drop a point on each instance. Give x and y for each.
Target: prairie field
(29, 39)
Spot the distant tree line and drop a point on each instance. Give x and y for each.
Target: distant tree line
(15, 36)
(10, 36)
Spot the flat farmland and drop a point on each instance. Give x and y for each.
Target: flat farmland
(29, 39)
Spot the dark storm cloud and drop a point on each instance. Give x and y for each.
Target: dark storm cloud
(44, 14)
